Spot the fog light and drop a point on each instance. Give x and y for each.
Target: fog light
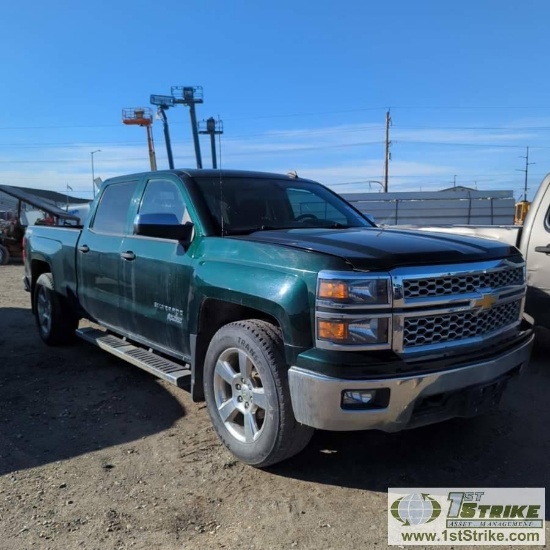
(357, 397)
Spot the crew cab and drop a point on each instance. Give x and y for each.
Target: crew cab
(282, 306)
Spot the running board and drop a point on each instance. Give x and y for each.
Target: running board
(159, 366)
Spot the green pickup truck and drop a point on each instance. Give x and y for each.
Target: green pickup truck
(282, 306)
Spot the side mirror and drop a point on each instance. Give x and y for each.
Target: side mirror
(163, 226)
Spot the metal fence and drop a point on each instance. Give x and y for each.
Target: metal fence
(437, 208)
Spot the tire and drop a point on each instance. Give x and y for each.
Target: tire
(55, 321)
(247, 394)
(4, 255)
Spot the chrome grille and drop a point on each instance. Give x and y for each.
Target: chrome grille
(462, 283)
(449, 327)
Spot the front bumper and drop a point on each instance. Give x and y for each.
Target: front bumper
(316, 398)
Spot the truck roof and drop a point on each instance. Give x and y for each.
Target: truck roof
(205, 172)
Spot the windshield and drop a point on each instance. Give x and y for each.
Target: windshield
(244, 205)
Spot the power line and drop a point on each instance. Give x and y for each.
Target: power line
(433, 176)
(522, 128)
(357, 128)
(298, 134)
(317, 113)
(294, 147)
(468, 144)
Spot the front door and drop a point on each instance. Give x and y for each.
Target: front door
(156, 274)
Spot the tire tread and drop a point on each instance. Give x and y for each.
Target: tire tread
(292, 437)
(64, 322)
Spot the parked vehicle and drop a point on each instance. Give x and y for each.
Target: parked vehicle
(283, 306)
(533, 240)
(11, 239)
(37, 210)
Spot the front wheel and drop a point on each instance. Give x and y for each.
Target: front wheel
(55, 321)
(247, 394)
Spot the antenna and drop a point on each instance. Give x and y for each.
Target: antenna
(388, 154)
(220, 145)
(221, 178)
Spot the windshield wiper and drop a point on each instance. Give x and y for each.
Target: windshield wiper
(338, 225)
(331, 225)
(266, 227)
(248, 230)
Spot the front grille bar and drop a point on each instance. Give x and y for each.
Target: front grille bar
(455, 306)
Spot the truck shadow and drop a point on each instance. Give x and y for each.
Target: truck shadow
(505, 448)
(52, 407)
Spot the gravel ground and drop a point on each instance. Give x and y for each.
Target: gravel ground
(96, 454)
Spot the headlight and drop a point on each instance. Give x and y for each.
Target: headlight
(364, 332)
(339, 323)
(341, 289)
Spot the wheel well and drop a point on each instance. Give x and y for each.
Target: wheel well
(213, 315)
(37, 268)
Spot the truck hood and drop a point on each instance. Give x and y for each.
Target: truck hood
(382, 248)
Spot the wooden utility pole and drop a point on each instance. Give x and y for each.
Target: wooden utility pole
(526, 171)
(388, 154)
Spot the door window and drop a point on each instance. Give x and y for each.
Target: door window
(163, 196)
(112, 210)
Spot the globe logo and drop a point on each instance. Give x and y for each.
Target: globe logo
(416, 509)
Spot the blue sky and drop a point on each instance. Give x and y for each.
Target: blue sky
(299, 85)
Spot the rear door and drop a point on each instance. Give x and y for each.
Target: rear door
(98, 253)
(537, 252)
(155, 276)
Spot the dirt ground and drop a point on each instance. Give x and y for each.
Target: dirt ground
(96, 454)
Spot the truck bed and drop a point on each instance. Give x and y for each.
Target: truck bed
(57, 246)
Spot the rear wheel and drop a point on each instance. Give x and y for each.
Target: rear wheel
(247, 394)
(4, 255)
(55, 321)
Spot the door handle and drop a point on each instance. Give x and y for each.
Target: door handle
(543, 249)
(84, 248)
(128, 255)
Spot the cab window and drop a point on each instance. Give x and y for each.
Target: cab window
(112, 210)
(163, 196)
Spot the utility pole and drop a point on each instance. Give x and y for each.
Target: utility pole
(212, 127)
(526, 172)
(388, 154)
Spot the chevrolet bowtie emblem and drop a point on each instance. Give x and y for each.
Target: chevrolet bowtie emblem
(485, 303)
